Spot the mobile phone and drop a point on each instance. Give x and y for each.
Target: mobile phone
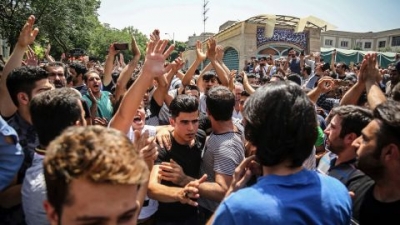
(302, 52)
(121, 46)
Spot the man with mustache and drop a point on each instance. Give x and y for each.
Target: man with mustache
(56, 72)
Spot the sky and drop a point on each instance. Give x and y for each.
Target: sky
(179, 19)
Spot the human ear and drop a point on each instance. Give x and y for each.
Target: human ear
(51, 213)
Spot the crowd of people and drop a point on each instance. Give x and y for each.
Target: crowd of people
(291, 141)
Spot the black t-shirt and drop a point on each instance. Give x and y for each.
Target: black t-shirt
(189, 158)
(152, 113)
(373, 211)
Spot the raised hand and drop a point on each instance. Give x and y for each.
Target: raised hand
(326, 84)
(155, 58)
(372, 72)
(177, 64)
(31, 58)
(135, 48)
(219, 52)
(211, 45)
(201, 56)
(112, 51)
(28, 34)
(155, 36)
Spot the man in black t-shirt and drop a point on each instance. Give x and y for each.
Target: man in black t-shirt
(176, 204)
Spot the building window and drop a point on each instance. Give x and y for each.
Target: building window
(344, 44)
(396, 41)
(382, 44)
(367, 45)
(328, 42)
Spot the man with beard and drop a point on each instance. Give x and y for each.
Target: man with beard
(345, 126)
(56, 72)
(98, 101)
(378, 151)
(77, 71)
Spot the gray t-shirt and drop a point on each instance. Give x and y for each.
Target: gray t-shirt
(222, 154)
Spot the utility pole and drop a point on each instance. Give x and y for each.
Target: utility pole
(205, 10)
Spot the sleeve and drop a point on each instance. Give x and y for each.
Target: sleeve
(163, 156)
(154, 107)
(11, 154)
(228, 156)
(320, 137)
(223, 215)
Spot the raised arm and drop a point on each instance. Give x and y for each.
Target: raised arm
(175, 67)
(128, 70)
(153, 67)
(375, 95)
(200, 57)
(352, 96)
(333, 61)
(246, 85)
(220, 56)
(325, 84)
(211, 55)
(47, 53)
(109, 65)
(26, 37)
(232, 76)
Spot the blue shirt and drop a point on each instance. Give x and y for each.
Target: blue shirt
(11, 154)
(306, 197)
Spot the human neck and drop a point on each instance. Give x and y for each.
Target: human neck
(181, 141)
(24, 113)
(220, 127)
(387, 191)
(282, 169)
(346, 155)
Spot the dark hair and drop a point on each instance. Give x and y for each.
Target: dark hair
(307, 69)
(183, 103)
(220, 102)
(389, 127)
(281, 123)
(53, 111)
(190, 87)
(86, 75)
(210, 74)
(57, 64)
(295, 78)
(79, 68)
(354, 119)
(23, 79)
(245, 93)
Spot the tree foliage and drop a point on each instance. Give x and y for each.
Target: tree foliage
(68, 24)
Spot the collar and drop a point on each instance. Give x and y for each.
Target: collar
(40, 151)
